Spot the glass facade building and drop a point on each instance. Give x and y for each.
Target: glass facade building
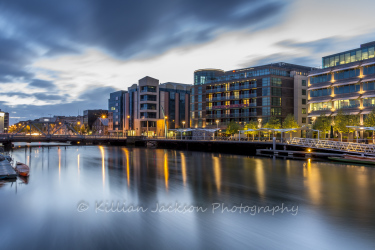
(346, 82)
(116, 106)
(366, 51)
(219, 97)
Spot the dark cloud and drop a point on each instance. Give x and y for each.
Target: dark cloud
(128, 28)
(252, 61)
(42, 84)
(96, 98)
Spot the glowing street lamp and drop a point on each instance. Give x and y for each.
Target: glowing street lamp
(217, 124)
(183, 122)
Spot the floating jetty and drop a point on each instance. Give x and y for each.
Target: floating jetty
(297, 155)
(6, 170)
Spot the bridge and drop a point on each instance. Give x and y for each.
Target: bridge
(8, 139)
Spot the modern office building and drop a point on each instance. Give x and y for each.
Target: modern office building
(219, 97)
(89, 116)
(346, 81)
(116, 106)
(4, 122)
(149, 106)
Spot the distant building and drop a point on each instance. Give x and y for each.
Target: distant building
(256, 93)
(100, 126)
(116, 106)
(148, 106)
(90, 116)
(346, 82)
(4, 122)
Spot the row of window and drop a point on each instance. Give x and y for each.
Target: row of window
(320, 92)
(348, 57)
(271, 82)
(347, 74)
(267, 111)
(271, 91)
(320, 78)
(369, 70)
(274, 101)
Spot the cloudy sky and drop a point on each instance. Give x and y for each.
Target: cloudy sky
(61, 57)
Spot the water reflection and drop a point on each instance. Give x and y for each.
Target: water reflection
(183, 167)
(103, 163)
(335, 201)
(217, 173)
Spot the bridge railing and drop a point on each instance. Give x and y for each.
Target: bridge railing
(335, 145)
(56, 137)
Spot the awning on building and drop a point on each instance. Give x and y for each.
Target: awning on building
(320, 73)
(369, 95)
(366, 112)
(356, 112)
(322, 100)
(366, 64)
(346, 83)
(325, 114)
(368, 80)
(327, 86)
(351, 67)
(346, 98)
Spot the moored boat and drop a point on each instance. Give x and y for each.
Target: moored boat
(22, 169)
(355, 159)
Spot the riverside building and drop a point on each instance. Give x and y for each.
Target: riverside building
(346, 81)
(255, 93)
(150, 107)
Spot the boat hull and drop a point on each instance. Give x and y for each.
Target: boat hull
(352, 160)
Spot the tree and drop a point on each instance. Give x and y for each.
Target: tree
(290, 122)
(370, 119)
(323, 123)
(342, 121)
(251, 125)
(273, 123)
(232, 128)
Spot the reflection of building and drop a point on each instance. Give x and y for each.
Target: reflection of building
(248, 94)
(148, 106)
(4, 121)
(116, 106)
(89, 116)
(346, 81)
(110, 122)
(100, 126)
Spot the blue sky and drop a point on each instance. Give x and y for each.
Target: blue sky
(61, 57)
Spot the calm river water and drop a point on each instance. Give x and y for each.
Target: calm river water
(99, 197)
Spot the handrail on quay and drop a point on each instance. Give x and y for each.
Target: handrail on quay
(353, 147)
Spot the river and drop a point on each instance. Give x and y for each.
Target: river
(102, 197)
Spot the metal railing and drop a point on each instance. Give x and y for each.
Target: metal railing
(57, 137)
(334, 145)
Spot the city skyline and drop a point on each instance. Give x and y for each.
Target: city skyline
(65, 57)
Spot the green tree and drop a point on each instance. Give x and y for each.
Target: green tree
(251, 125)
(273, 123)
(290, 122)
(370, 119)
(232, 128)
(342, 121)
(323, 123)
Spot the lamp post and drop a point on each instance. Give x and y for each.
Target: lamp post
(183, 122)
(217, 124)
(259, 126)
(165, 126)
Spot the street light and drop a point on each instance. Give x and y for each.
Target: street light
(217, 124)
(259, 126)
(165, 126)
(183, 122)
